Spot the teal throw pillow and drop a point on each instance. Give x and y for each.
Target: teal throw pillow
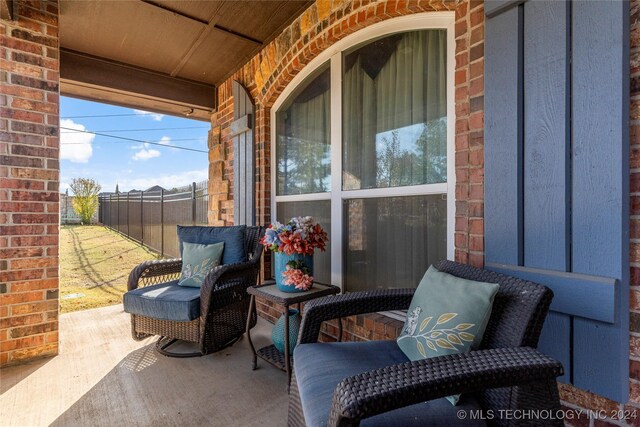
(447, 315)
(197, 261)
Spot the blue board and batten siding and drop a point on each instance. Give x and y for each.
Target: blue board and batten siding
(557, 174)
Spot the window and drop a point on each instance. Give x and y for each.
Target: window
(363, 142)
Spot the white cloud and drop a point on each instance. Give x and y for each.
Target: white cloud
(166, 181)
(165, 140)
(146, 153)
(75, 146)
(155, 116)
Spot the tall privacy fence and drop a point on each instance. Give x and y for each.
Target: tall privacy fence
(150, 218)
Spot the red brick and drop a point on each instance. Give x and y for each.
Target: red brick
(22, 297)
(35, 196)
(476, 226)
(21, 139)
(39, 39)
(462, 224)
(21, 184)
(21, 45)
(476, 69)
(476, 175)
(584, 399)
(476, 243)
(14, 321)
(29, 330)
(47, 350)
(51, 337)
(476, 192)
(27, 150)
(37, 15)
(34, 60)
(34, 307)
(17, 230)
(476, 121)
(30, 263)
(476, 17)
(35, 218)
(28, 162)
(476, 209)
(43, 107)
(476, 157)
(22, 343)
(21, 253)
(476, 259)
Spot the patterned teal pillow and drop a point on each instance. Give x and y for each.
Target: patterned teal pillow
(447, 315)
(197, 261)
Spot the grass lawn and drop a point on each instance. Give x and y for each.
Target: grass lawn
(95, 263)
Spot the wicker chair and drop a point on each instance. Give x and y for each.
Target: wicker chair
(223, 301)
(506, 373)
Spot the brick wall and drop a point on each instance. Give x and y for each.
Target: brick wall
(325, 22)
(469, 96)
(29, 173)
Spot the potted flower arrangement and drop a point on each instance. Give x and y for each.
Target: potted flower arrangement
(293, 245)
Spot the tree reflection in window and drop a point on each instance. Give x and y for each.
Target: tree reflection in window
(303, 139)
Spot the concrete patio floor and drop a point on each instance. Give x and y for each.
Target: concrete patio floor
(102, 377)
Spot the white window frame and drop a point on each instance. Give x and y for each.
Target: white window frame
(418, 21)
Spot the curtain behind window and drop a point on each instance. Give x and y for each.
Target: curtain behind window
(394, 134)
(394, 112)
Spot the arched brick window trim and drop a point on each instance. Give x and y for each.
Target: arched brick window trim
(319, 27)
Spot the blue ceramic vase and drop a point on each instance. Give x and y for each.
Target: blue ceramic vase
(280, 260)
(277, 335)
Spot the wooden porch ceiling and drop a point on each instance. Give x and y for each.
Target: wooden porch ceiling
(163, 55)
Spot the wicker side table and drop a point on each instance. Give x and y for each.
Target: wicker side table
(269, 291)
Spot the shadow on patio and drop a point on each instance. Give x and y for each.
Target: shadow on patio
(103, 377)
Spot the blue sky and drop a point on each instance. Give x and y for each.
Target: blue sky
(131, 165)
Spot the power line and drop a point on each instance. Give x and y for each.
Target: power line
(134, 140)
(110, 115)
(124, 142)
(138, 130)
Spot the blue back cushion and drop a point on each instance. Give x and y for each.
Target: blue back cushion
(233, 238)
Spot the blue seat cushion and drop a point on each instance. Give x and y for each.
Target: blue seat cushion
(320, 367)
(232, 236)
(166, 301)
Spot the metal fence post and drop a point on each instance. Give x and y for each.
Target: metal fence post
(142, 217)
(118, 210)
(193, 203)
(162, 222)
(128, 194)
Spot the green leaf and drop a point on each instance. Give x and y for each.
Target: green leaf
(464, 326)
(424, 323)
(431, 346)
(421, 349)
(454, 339)
(444, 344)
(466, 336)
(446, 317)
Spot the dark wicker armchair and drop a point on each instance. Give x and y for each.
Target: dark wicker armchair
(345, 384)
(220, 310)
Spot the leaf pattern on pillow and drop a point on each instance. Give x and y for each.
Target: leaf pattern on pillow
(198, 272)
(438, 336)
